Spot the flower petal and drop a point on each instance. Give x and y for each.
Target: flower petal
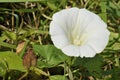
(94, 30)
(86, 23)
(71, 50)
(87, 51)
(56, 29)
(60, 41)
(82, 51)
(60, 27)
(98, 40)
(66, 18)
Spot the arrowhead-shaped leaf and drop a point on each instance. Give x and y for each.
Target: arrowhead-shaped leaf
(13, 62)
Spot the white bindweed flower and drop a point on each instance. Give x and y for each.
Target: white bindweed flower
(78, 32)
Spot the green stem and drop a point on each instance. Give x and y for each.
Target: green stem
(23, 76)
(70, 74)
(38, 71)
(117, 60)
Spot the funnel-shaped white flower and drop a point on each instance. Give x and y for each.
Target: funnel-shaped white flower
(78, 32)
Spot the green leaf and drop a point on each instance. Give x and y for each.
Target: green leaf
(118, 12)
(10, 35)
(24, 49)
(28, 32)
(12, 61)
(42, 64)
(52, 55)
(3, 68)
(103, 9)
(112, 5)
(115, 46)
(3, 37)
(58, 77)
(114, 38)
(93, 65)
(113, 35)
(7, 45)
(116, 73)
(26, 10)
(51, 5)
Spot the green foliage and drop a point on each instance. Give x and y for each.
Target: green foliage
(93, 65)
(103, 10)
(52, 56)
(3, 68)
(28, 21)
(7, 45)
(115, 73)
(11, 61)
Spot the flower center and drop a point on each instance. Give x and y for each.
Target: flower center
(77, 41)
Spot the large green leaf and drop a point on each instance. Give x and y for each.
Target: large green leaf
(3, 68)
(93, 65)
(52, 55)
(13, 62)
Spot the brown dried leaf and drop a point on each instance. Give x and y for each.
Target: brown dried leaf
(29, 59)
(20, 47)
